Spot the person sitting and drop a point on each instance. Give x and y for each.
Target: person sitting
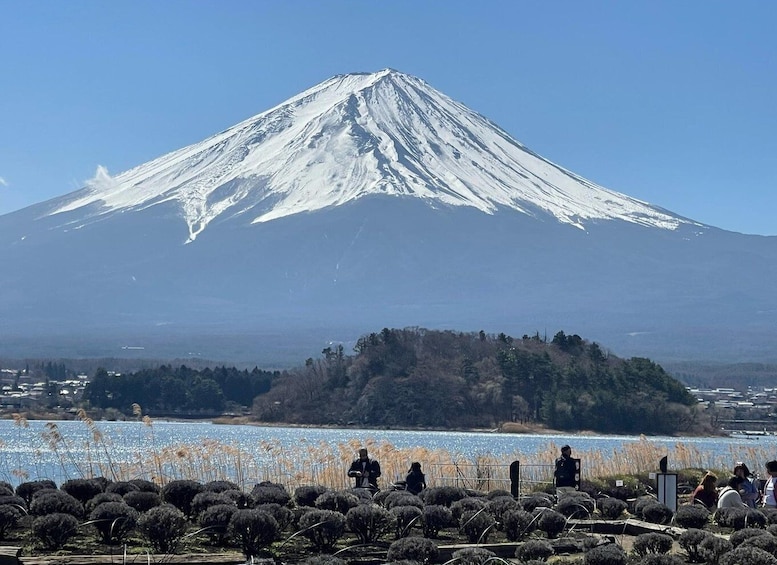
(748, 491)
(365, 471)
(415, 481)
(705, 493)
(729, 497)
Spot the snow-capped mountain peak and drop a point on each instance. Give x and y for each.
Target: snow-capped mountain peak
(349, 137)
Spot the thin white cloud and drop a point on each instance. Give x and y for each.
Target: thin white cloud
(3, 182)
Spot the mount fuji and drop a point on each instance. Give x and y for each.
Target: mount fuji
(370, 200)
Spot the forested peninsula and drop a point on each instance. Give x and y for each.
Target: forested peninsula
(418, 378)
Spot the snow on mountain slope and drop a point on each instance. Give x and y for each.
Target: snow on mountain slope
(352, 136)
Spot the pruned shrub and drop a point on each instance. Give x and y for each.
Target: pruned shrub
(28, 489)
(610, 554)
(469, 504)
(420, 550)
(639, 504)
(113, 521)
(611, 508)
(122, 487)
(765, 541)
(180, 493)
(578, 505)
(473, 556)
(54, 530)
(142, 501)
(623, 487)
(406, 517)
(14, 500)
(239, 498)
(270, 493)
(655, 543)
(307, 495)
(534, 550)
(322, 527)
(6, 489)
(435, 518)
(518, 523)
(747, 556)
(215, 521)
(691, 516)
(253, 529)
(739, 536)
(204, 500)
(402, 498)
(754, 518)
(477, 525)
(55, 501)
(101, 498)
(220, 486)
(9, 518)
(443, 495)
(551, 522)
(712, 548)
(369, 521)
(324, 560)
(146, 486)
(657, 513)
(690, 540)
(363, 494)
(536, 500)
(282, 514)
(82, 489)
(728, 517)
(665, 559)
(499, 506)
(770, 513)
(163, 527)
(338, 500)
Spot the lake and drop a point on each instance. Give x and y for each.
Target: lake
(165, 450)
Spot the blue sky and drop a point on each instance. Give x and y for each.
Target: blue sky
(671, 102)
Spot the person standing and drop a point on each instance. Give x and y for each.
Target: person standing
(769, 499)
(365, 471)
(564, 477)
(415, 481)
(748, 491)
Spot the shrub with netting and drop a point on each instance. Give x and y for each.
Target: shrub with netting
(518, 523)
(551, 522)
(9, 518)
(655, 543)
(215, 521)
(747, 556)
(270, 493)
(499, 506)
(324, 560)
(338, 500)
(82, 489)
(442, 495)
(657, 513)
(538, 550)
(180, 493)
(536, 500)
(739, 536)
(163, 527)
(402, 498)
(363, 494)
(611, 508)
(147, 486)
(55, 501)
(306, 495)
(477, 525)
(610, 554)
(712, 548)
(435, 518)
(420, 550)
(765, 541)
(739, 518)
(406, 517)
(469, 504)
(282, 514)
(142, 501)
(220, 486)
(473, 556)
(370, 521)
(113, 521)
(692, 516)
(754, 519)
(204, 500)
(579, 505)
(101, 498)
(122, 487)
(54, 530)
(253, 530)
(690, 540)
(665, 559)
(27, 489)
(14, 500)
(322, 527)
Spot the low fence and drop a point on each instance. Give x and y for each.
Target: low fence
(516, 478)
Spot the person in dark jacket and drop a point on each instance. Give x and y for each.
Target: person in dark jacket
(564, 475)
(365, 471)
(415, 481)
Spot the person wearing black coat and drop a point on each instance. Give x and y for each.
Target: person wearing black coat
(415, 481)
(365, 471)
